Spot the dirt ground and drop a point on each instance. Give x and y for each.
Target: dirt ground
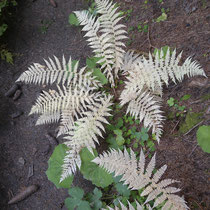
(41, 31)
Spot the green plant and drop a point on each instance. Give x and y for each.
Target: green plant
(142, 27)
(82, 101)
(180, 110)
(4, 21)
(162, 17)
(203, 138)
(45, 24)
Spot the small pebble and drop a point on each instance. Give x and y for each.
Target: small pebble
(21, 161)
(45, 149)
(17, 95)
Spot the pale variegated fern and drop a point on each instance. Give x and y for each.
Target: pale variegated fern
(105, 36)
(145, 80)
(137, 177)
(77, 106)
(130, 207)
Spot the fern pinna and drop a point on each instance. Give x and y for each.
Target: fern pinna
(137, 177)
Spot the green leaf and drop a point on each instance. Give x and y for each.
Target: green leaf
(100, 76)
(94, 199)
(119, 139)
(91, 62)
(185, 97)
(122, 189)
(163, 17)
(203, 138)
(171, 101)
(54, 170)
(76, 192)
(75, 201)
(92, 171)
(135, 145)
(3, 28)
(73, 20)
(119, 123)
(72, 204)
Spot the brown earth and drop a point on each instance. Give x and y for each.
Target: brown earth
(186, 28)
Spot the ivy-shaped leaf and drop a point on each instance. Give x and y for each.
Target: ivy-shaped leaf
(54, 170)
(92, 171)
(75, 201)
(94, 199)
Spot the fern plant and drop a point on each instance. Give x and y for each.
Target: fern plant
(137, 176)
(81, 108)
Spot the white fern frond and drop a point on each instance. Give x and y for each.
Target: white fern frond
(130, 207)
(48, 118)
(137, 177)
(109, 20)
(146, 109)
(100, 44)
(73, 98)
(129, 60)
(71, 162)
(58, 73)
(85, 131)
(153, 73)
(149, 75)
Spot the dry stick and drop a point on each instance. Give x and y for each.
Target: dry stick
(24, 194)
(175, 126)
(193, 128)
(193, 150)
(148, 38)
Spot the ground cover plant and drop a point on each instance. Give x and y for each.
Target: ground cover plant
(5, 13)
(82, 102)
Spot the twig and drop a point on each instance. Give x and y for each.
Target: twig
(193, 150)
(193, 128)
(175, 126)
(148, 38)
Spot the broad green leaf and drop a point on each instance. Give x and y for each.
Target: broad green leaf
(73, 19)
(203, 138)
(92, 171)
(54, 170)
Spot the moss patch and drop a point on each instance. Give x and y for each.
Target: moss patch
(191, 120)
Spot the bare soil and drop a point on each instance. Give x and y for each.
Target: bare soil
(186, 28)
